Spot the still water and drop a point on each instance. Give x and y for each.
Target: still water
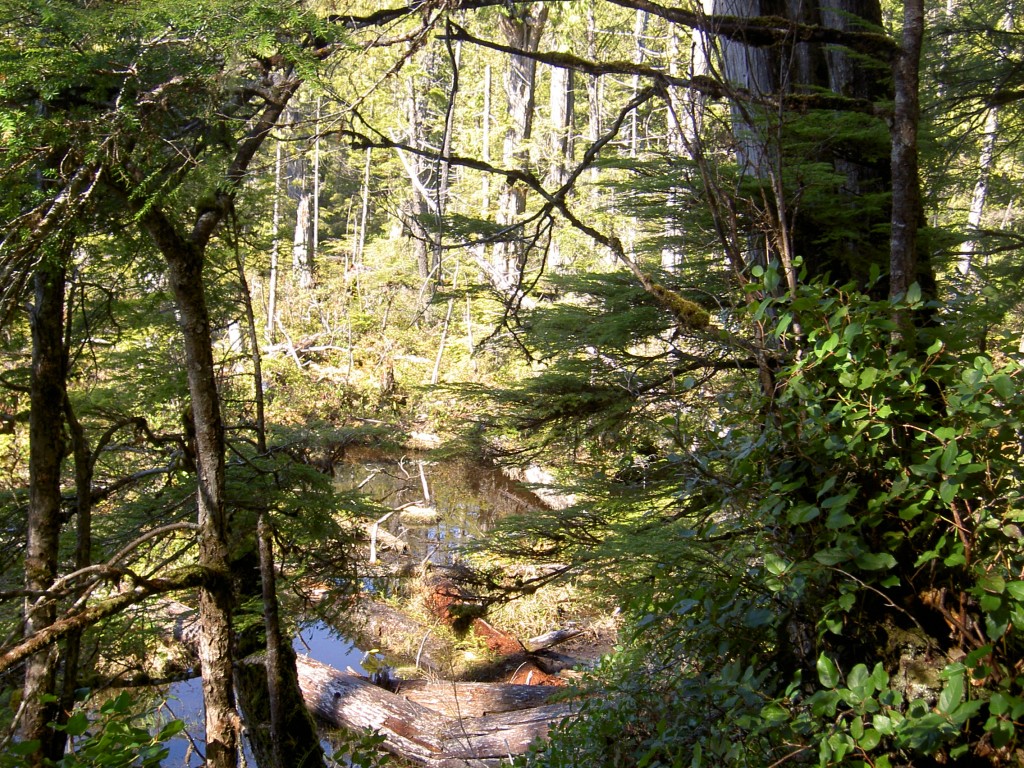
(185, 699)
(464, 501)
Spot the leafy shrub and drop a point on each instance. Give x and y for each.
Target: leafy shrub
(838, 579)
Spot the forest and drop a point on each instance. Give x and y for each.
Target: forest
(731, 287)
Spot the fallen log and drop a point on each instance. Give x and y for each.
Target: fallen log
(417, 733)
(550, 639)
(473, 699)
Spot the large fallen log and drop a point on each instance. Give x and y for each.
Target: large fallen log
(418, 733)
(473, 699)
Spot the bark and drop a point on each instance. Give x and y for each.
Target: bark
(985, 161)
(302, 242)
(84, 466)
(639, 55)
(275, 247)
(522, 29)
(785, 73)
(299, 190)
(906, 185)
(485, 143)
(454, 699)
(593, 89)
(422, 735)
(974, 216)
(254, 351)
(357, 252)
(562, 108)
(562, 103)
(216, 599)
(46, 452)
(316, 184)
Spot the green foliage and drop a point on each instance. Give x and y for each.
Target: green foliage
(115, 736)
(360, 750)
(836, 577)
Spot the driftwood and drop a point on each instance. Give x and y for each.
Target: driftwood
(417, 733)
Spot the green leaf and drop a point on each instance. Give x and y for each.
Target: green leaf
(775, 564)
(1003, 385)
(1016, 589)
(20, 748)
(802, 513)
(828, 674)
(77, 724)
(832, 556)
(774, 713)
(839, 518)
(869, 741)
(948, 461)
(948, 491)
(875, 561)
(172, 728)
(951, 694)
(860, 679)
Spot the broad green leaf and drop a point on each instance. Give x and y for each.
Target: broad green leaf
(1003, 385)
(828, 674)
(1015, 589)
(77, 724)
(775, 713)
(875, 561)
(869, 741)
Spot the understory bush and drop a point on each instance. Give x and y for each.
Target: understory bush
(835, 576)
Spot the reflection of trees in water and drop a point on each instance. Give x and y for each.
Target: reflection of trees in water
(469, 499)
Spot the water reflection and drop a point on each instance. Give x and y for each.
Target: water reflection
(468, 498)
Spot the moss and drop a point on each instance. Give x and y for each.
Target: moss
(688, 314)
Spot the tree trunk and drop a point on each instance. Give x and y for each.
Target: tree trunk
(593, 88)
(974, 216)
(254, 351)
(84, 465)
(562, 107)
(216, 598)
(522, 29)
(298, 188)
(302, 242)
(791, 227)
(454, 699)
(292, 738)
(985, 161)
(46, 452)
(906, 185)
(275, 247)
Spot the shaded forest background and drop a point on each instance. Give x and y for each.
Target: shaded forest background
(744, 276)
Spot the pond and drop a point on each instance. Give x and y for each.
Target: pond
(464, 502)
